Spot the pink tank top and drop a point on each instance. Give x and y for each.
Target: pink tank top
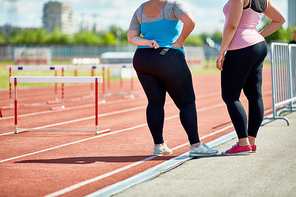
(246, 33)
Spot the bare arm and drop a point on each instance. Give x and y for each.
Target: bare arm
(235, 13)
(189, 24)
(135, 38)
(277, 17)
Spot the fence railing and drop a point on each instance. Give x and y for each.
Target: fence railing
(283, 76)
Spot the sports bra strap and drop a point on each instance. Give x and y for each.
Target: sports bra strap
(142, 11)
(163, 9)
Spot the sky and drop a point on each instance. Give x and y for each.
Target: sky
(208, 13)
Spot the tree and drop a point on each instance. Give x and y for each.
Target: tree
(290, 32)
(3, 38)
(217, 36)
(29, 37)
(41, 36)
(194, 40)
(88, 38)
(56, 37)
(109, 39)
(16, 38)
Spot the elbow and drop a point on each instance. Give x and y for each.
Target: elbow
(193, 24)
(129, 38)
(190, 24)
(282, 21)
(231, 27)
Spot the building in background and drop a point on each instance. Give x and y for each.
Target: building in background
(291, 13)
(56, 14)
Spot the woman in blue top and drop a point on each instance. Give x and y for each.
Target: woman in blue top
(161, 67)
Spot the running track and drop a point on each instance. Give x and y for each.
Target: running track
(70, 160)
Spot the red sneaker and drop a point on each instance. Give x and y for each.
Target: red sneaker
(236, 149)
(254, 148)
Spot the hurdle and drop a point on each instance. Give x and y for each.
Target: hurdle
(94, 80)
(106, 85)
(121, 77)
(56, 68)
(283, 79)
(92, 68)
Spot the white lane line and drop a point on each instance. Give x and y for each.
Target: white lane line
(118, 112)
(112, 113)
(114, 132)
(78, 185)
(71, 143)
(81, 184)
(82, 119)
(73, 187)
(110, 102)
(91, 105)
(101, 115)
(66, 109)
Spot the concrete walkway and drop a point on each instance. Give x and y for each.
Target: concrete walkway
(269, 172)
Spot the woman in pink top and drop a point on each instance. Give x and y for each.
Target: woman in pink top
(240, 60)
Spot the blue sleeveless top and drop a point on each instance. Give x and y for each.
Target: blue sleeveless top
(164, 31)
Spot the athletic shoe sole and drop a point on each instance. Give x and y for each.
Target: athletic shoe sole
(224, 153)
(162, 154)
(202, 154)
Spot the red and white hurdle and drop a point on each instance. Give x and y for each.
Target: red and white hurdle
(94, 80)
(106, 87)
(61, 68)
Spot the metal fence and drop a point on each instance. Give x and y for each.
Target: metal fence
(292, 52)
(194, 54)
(65, 52)
(283, 72)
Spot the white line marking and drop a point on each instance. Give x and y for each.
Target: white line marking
(106, 114)
(81, 184)
(101, 115)
(109, 102)
(71, 143)
(78, 185)
(82, 119)
(66, 109)
(73, 187)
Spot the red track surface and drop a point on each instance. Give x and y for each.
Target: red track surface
(38, 163)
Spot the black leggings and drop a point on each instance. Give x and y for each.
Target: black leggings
(242, 69)
(159, 74)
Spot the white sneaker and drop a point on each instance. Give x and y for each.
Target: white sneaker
(162, 150)
(202, 150)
